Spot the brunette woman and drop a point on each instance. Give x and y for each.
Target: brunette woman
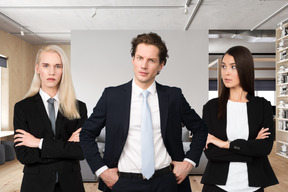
(241, 131)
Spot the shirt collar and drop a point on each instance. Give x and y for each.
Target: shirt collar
(138, 90)
(45, 96)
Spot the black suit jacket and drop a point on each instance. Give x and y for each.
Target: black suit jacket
(57, 154)
(253, 152)
(113, 111)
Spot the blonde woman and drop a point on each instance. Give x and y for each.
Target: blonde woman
(47, 132)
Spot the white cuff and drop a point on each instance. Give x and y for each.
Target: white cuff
(192, 162)
(40, 143)
(101, 170)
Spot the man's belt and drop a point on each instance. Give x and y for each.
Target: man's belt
(140, 176)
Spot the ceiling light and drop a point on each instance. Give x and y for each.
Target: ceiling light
(214, 36)
(234, 35)
(186, 9)
(281, 25)
(21, 32)
(193, 14)
(93, 13)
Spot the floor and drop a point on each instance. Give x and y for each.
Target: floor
(11, 176)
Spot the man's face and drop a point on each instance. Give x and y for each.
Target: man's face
(146, 64)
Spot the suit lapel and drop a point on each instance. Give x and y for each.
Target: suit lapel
(42, 111)
(58, 123)
(126, 95)
(163, 99)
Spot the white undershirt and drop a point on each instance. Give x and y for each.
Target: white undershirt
(237, 128)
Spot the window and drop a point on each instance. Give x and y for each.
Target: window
(266, 89)
(268, 95)
(212, 94)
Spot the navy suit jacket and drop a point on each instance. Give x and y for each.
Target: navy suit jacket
(57, 154)
(113, 112)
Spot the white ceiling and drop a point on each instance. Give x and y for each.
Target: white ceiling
(51, 21)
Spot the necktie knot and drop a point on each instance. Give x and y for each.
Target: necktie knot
(145, 93)
(51, 100)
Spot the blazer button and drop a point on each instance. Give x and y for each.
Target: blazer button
(237, 147)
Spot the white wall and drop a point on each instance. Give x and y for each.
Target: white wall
(102, 58)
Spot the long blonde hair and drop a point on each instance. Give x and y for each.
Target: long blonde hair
(68, 103)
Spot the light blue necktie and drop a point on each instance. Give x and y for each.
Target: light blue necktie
(51, 112)
(147, 138)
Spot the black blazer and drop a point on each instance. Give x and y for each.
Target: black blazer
(56, 155)
(113, 111)
(253, 152)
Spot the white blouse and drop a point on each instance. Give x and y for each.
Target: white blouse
(237, 128)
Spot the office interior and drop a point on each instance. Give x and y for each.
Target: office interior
(96, 37)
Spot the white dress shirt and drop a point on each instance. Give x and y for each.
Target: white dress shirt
(45, 98)
(130, 159)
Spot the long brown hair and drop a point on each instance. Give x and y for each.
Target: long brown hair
(245, 68)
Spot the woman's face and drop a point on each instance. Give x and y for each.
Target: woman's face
(229, 72)
(50, 69)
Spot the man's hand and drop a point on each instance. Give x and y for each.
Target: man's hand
(75, 136)
(25, 139)
(110, 177)
(181, 170)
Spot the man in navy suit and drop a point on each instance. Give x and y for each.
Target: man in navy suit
(119, 110)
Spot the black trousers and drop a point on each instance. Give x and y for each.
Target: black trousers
(166, 182)
(57, 187)
(214, 188)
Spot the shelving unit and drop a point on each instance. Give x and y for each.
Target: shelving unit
(281, 116)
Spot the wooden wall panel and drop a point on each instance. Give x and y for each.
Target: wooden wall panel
(16, 79)
(16, 76)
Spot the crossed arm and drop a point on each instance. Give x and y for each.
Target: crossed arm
(263, 134)
(24, 138)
